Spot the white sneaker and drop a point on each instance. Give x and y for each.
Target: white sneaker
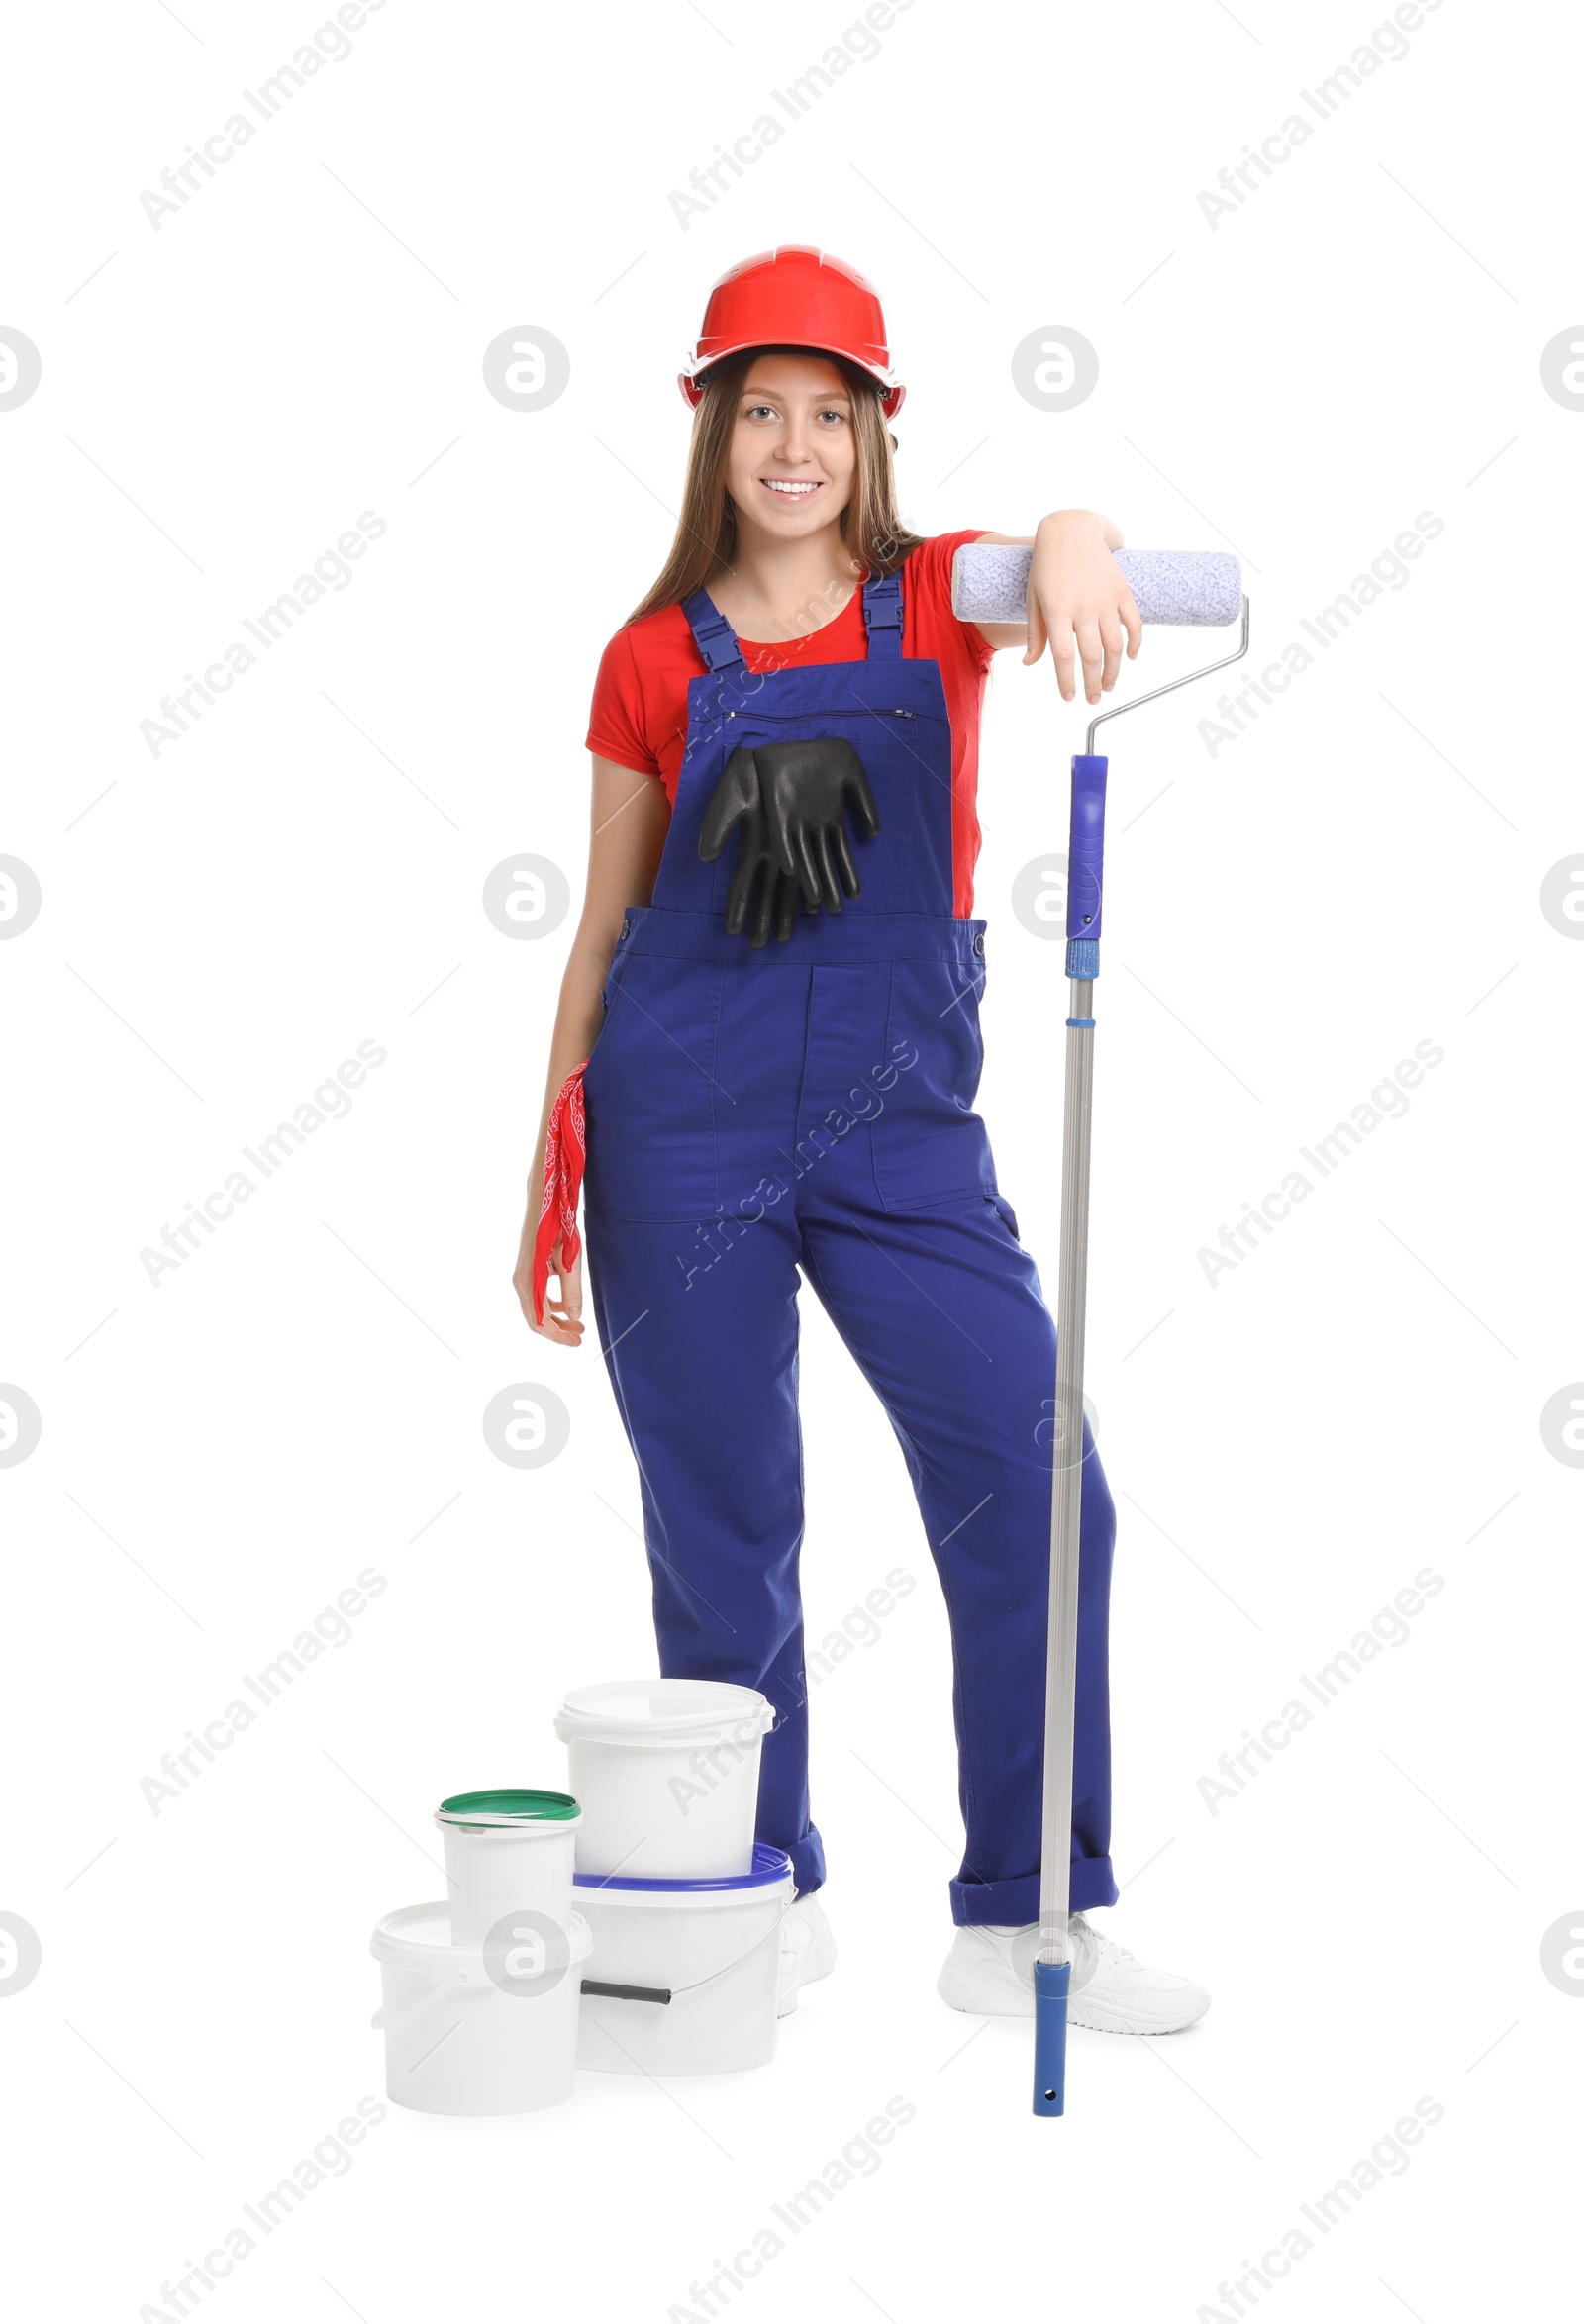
(989, 1971)
(808, 1951)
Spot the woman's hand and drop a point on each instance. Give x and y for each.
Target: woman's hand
(563, 1307)
(1079, 605)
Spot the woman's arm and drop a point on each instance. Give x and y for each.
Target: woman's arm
(629, 820)
(1077, 601)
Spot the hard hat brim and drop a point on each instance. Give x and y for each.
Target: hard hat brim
(892, 390)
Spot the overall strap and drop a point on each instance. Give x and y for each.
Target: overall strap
(883, 618)
(712, 633)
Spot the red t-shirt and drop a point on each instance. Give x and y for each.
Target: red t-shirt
(638, 717)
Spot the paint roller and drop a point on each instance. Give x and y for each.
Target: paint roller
(1189, 589)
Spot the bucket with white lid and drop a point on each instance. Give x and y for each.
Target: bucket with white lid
(475, 2032)
(507, 1851)
(695, 1965)
(666, 1772)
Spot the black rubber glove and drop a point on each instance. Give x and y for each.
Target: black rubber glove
(736, 805)
(807, 789)
(788, 802)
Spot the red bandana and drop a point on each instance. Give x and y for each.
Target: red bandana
(564, 1150)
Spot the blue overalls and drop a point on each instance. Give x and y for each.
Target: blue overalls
(810, 1106)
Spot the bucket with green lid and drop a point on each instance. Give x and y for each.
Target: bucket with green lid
(507, 1852)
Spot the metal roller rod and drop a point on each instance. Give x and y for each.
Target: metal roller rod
(1155, 692)
(1066, 1485)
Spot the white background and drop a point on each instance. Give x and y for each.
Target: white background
(221, 397)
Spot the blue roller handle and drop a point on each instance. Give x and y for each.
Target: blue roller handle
(1050, 1982)
(1086, 855)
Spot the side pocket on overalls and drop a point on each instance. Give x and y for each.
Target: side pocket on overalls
(929, 1144)
(649, 1091)
(607, 991)
(1006, 1213)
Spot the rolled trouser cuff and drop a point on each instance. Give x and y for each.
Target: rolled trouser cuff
(1014, 1904)
(808, 1862)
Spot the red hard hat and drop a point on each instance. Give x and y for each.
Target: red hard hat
(795, 296)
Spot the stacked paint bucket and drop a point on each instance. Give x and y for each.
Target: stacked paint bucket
(635, 1913)
(480, 1994)
(685, 1907)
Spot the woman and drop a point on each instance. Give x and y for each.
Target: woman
(775, 983)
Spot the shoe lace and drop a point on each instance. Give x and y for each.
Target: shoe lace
(1106, 1948)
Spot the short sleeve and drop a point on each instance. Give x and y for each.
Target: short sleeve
(616, 722)
(928, 570)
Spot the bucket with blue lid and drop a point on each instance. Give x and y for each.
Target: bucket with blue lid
(684, 1973)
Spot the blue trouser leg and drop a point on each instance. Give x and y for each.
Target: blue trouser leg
(941, 1309)
(707, 1385)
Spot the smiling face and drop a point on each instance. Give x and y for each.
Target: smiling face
(793, 456)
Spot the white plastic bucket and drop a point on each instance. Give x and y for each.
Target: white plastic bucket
(458, 2042)
(715, 1946)
(507, 1852)
(666, 1772)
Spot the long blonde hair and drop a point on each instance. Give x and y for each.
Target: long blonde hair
(706, 533)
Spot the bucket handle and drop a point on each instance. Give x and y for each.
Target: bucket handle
(599, 1988)
(457, 1982)
(389, 2020)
